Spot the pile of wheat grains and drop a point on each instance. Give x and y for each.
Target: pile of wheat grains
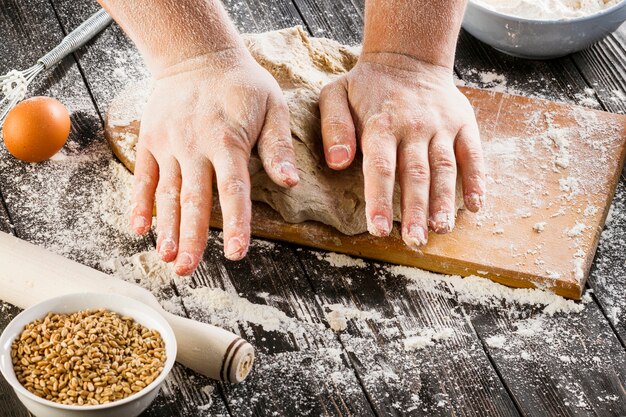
(89, 357)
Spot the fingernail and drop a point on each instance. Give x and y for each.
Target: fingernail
(338, 155)
(475, 201)
(184, 261)
(167, 248)
(289, 173)
(379, 226)
(442, 222)
(234, 249)
(416, 237)
(140, 224)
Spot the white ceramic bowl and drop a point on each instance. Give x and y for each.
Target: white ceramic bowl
(128, 407)
(540, 39)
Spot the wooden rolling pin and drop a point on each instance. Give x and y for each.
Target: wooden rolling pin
(30, 274)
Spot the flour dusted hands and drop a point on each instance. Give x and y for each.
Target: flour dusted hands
(411, 122)
(202, 120)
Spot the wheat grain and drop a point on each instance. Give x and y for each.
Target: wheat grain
(89, 357)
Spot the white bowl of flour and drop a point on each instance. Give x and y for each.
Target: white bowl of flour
(542, 29)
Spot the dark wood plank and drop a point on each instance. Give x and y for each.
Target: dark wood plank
(548, 384)
(259, 395)
(453, 377)
(75, 204)
(603, 68)
(608, 275)
(9, 404)
(255, 16)
(294, 362)
(563, 365)
(479, 65)
(339, 20)
(429, 380)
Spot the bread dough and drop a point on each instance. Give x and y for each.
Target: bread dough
(302, 65)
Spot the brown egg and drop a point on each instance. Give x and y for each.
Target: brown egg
(36, 129)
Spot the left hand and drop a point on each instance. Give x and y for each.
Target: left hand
(405, 110)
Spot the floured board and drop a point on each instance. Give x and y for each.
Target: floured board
(552, 170)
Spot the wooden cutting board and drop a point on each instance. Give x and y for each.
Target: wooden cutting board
(552, 172)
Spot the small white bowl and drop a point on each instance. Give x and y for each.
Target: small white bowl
(540, 39)
(130, 406)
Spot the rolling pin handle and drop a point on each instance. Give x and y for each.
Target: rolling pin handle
(210, 350)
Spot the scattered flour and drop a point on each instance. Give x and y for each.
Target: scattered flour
(481, 291)
(540, 227)
(427, 338)
(490, 77)
(570, 185)
(339, 315)
(576, 230)
(228, 310)
(498, 342)
(339, 260)
(559, 137)
(548, 9)
(143, 268)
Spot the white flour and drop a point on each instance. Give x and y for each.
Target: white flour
(229, 310)
(339, 315)
(498, 342)
(427, 338)
(339, 260)
(481, 291)
(548, 9)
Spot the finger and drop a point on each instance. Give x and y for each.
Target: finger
(275, 147)
(168, 209)
(338, 132)
(233, 184)
(195, 211)
(414, 178)
(145, 180)
(470, 158)
(379, 165)
(442, 185)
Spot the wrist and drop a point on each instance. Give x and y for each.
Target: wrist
(401, 62)
(218, 61)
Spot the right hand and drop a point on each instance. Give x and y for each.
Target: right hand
(411, 123)
(203, 119)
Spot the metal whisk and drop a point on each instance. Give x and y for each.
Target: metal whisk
(14, 84)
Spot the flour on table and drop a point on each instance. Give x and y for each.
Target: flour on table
(339, 315)
(143, 268)
(481, 291)
(426, 338)
(228, 310)
(498, 342)
(339, 260)
(301, 65)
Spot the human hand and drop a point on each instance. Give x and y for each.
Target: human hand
(405, 110)
(202, 119)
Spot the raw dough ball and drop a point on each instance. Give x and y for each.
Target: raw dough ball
(302, 66)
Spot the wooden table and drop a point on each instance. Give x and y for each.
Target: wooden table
(577, 369)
